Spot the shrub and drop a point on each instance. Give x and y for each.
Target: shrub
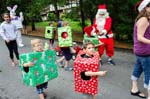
(124, 32)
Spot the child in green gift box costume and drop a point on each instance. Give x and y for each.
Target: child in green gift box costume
(37, 47)
(67, 55)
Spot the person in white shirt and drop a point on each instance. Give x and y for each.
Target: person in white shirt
(8, 34)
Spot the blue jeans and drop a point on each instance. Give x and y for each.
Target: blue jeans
(41, 87)
(142, 64)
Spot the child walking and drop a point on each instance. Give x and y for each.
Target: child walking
(86, 72)
(8, 34)
(67, 55)
(37, 47)
(51, 41)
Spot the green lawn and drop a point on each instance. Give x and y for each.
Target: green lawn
(75, 25)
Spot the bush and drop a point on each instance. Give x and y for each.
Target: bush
(73, 15)
(51, 16)
(124, 32)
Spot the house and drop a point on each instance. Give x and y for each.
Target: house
(62, 9)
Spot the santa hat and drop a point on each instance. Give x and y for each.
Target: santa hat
(102, 9)
(143, 4)
(137, 5)
(88, 30)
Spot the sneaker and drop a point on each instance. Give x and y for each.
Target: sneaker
(60, 64)
(68, 68)
(111, 62)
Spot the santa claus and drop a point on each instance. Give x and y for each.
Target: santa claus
(102, 27)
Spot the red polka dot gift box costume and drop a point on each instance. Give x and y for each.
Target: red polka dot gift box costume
(87, 86)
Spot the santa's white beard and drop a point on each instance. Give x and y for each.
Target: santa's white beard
(100, 23)
(99, 19)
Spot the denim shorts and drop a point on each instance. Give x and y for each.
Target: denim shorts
(41, 87)
(142, 64)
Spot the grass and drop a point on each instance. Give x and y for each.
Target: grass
(42, 24)
(75, 25)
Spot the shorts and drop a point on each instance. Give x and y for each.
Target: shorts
(66, 53)
(41, 87)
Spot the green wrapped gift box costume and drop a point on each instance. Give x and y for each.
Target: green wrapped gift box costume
(49, 32)
(93, 39)
(44, 69)
(65, 36)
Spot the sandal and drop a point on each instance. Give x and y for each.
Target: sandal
(138, 93)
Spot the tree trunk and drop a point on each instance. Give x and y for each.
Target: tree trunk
(56, 10)
(91, 17)
(82, 16)
(33, 25)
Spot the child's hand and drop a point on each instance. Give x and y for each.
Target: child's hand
(101, 43)
(102, 73)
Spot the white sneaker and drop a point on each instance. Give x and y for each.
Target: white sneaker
(21, 45)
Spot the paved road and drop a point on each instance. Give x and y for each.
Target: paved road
(115, 85)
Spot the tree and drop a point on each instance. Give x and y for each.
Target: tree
(122, 15)
(82, 15)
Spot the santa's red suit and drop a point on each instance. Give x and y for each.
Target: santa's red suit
(102, 27)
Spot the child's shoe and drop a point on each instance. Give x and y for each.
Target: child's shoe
(68, 68)
(101, 62)
(111, 62)
(60, 64)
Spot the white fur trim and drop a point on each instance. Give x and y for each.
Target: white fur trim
(102, 11)
(104, 31)
(143, 5)
(93, 32)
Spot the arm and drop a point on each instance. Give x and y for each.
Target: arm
(107, 26)
(95, 27)
(28, 64)
(142, 25)
(2, 34)
(99, 73)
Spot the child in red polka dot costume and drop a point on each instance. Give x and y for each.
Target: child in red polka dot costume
(86, 71)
